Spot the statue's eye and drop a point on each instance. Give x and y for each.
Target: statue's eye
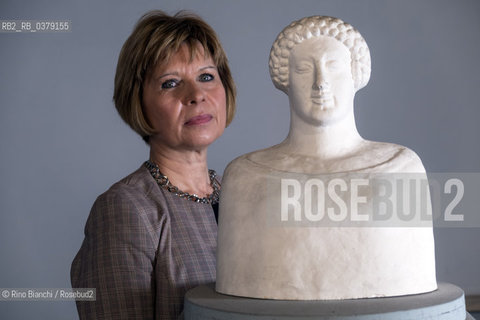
(334, 65)
(304, 67)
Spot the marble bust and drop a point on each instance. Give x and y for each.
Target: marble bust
(319, 62)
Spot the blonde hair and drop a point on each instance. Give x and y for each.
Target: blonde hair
(311, 27)
(155, 38)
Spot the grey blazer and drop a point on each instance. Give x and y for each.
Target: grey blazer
(143, 249)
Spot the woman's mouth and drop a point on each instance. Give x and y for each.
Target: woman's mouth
(200, 119)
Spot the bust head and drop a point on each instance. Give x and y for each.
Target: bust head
(321, 87)
(314, 27)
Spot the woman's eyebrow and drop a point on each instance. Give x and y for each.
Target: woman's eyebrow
(208, 67)
(173, 73)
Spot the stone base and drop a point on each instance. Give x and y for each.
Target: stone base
(448, 302)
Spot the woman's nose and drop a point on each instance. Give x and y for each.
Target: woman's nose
(193, 94)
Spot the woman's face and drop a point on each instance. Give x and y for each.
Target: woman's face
(184, 100)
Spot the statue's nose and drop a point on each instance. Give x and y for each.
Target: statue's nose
(319, 82)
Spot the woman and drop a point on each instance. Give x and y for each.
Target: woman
(152, 235)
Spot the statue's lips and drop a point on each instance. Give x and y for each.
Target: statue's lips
(200, 119)
(324, 100)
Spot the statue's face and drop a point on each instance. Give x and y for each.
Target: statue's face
(321, 87)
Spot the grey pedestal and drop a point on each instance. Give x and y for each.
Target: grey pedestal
(448, 302)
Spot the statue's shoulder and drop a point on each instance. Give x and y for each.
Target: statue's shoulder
(258, 158)
(371, 156)
(253, 164)
(235, 164)
(395, 157)
(239, 164)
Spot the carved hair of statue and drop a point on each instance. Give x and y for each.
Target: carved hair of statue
(311, 27)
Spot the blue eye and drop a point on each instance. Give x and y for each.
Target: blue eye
(169, 84)
(205, 77)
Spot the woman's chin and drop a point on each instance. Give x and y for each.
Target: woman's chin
(201, 141)
(204, 137)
